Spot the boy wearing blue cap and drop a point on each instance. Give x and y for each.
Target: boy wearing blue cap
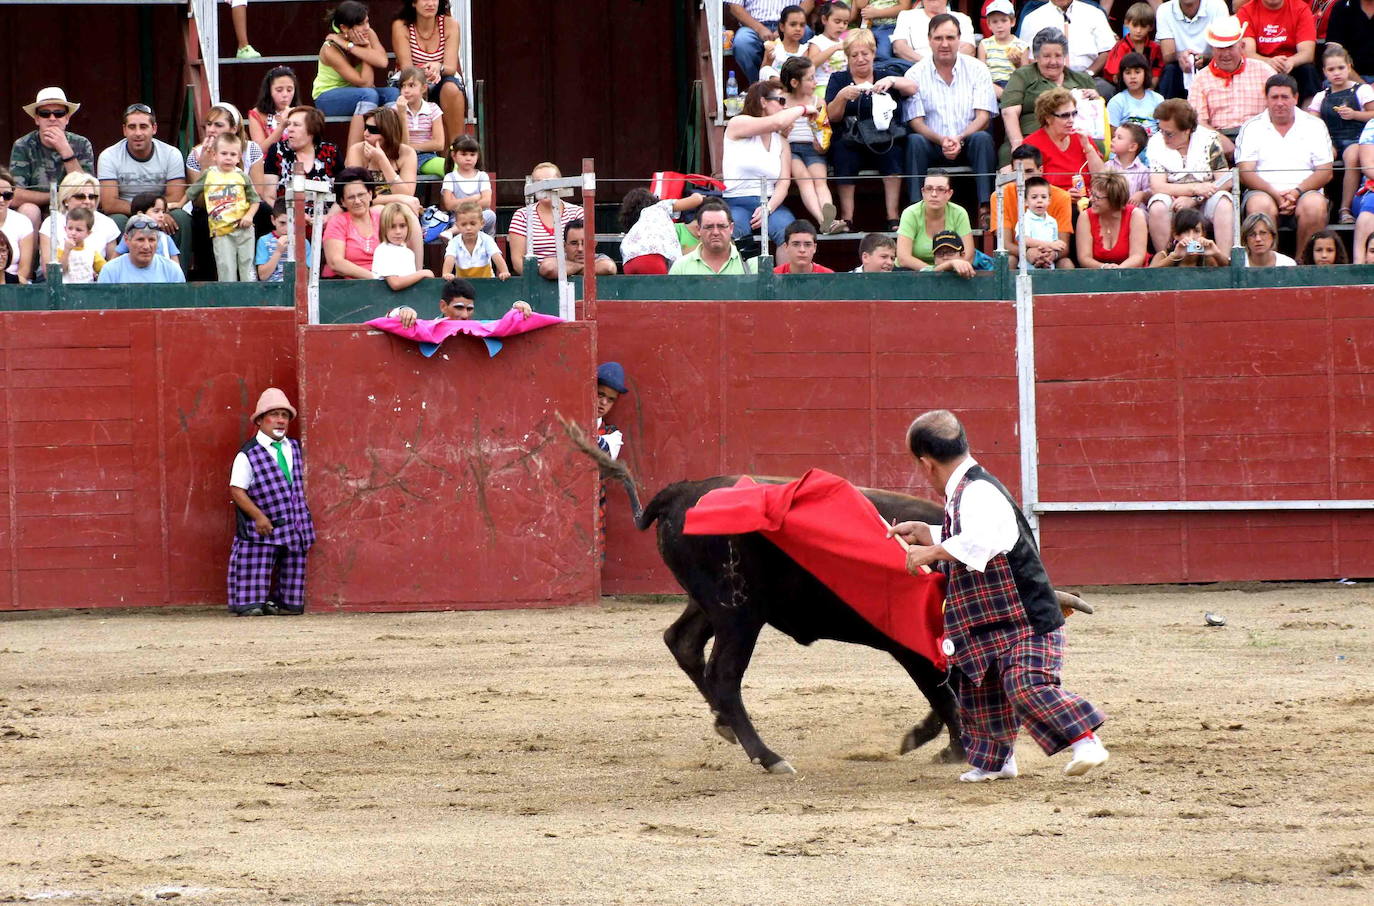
(610, 383)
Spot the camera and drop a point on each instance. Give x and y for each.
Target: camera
(1193, 247)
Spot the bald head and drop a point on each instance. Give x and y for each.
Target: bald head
(939, 435)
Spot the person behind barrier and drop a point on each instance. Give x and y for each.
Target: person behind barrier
(47, 154)
(18, 230)
(877, 254)
(274, 530)
(1027, 159)
(1004, 631)
(808, 140)
(610, 386)
(1231, 89)
(391, 162)
(1285, 160)
(757, 161)
(81, 260)
(880, 17)
(352, 235)
(716, 253)
(471, 252)
(651, 244)
(1188, 168)
(1070, 156)
(467, 183)
(270, 255)
(397, 260)
(1001, 51)
(1111, 231)
(935, 213)
(140, 163)
(154, 205)
(1324, 248)
(300, 152)
(950, 115)
(1038, 229)
(457, 302)
(1258, 236)
(1346, 105)
(231, 203)
(143, 264)
(278, 96)
(1189, 244)
(800, 240)
(574, 255)
(1283, 33)
(911, 36)
(947, 249)
(422, 124)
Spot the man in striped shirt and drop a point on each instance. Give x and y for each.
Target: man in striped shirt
(758, 22)
(950, 113)
(1231, 89)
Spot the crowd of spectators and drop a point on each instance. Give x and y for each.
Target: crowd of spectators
(1132, 115)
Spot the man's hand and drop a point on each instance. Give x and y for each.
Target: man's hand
(923, 555)
(263, 525)
(951, 146)
(911, 532)
(246, 223)
(1280, 63)
(764, 32)
(55, 137)
(406, 316)
(961, 267)
(522, 307)
(1288, 201)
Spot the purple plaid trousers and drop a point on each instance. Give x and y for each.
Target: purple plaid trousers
(273, 569)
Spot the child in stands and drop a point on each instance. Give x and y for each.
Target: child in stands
(280, 92)
(394, 260)
(80, 264)
(270, 259)
(1002, 51)
(1345, 106)
(1324, 247)
(1127, 142)
(1135, 101)
(230, 202)
(1038, 228)
(473, 253)
(791, 30)
(877, 254)
(825, 50)
(465, 182)
(651, 243)
(422, 122)
(1140, 38)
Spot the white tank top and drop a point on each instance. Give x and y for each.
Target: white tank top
(746, 159)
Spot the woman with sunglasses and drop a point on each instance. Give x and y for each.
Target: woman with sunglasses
(1070, 157)
(757, 163)
(18, 229)
(381, 152)
(77, 190)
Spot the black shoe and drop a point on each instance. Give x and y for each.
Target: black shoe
(283, 611)
(254, 611)
(271, 608)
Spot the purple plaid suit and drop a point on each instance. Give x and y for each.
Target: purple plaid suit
(253, 560)
(1008, 639)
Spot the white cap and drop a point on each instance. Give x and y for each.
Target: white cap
(999, 6)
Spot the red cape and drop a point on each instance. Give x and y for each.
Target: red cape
(835, 533)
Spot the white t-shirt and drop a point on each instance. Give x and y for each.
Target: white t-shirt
(1188, 34)
(1087, 29)
(479, 257)
(1284, 160)
(103, 232)
(465, 187)
(746, 159)
(913, 26)
(1280, 260)
(393, 261)
(653, 234)
(834, 61)
(135, 176)
(15, 228)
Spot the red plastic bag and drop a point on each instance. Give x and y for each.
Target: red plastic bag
(669, 185)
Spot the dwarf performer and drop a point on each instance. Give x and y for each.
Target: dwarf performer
(1004, 632)
(275, 531)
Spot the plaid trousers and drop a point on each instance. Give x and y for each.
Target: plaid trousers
(253, 568)
(1021, 686)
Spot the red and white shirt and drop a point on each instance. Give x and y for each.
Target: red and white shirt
(539, 239)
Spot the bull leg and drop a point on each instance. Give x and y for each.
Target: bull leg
(730, 655)
(687, 639)
(945, 710)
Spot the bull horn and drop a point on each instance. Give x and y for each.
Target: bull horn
(609, 468)
(1069, 602)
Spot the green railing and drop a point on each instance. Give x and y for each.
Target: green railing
(355, 301)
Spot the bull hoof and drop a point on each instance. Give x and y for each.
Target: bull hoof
(725, 733)
(950, 755)
(917, 737)
(781, 767)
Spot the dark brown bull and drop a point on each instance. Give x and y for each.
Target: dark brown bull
(736, 584)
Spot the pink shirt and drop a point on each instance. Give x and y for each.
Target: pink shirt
(358, 249)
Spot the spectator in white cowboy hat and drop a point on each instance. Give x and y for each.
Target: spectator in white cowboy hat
(1231, 89)
(48, 153)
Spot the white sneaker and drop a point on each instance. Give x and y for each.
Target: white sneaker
(978, 775)
(1087, 754)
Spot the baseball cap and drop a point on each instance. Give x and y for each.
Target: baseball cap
(946, 239)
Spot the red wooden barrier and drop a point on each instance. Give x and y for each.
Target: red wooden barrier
(446, 482)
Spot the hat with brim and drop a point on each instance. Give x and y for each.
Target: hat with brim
(52, 95)
(1225, 32)
(272, 398)
(946, 239)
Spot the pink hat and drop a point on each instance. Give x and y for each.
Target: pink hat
(272, 398)
(1225, 32)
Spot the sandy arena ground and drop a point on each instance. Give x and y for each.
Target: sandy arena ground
(559, 757)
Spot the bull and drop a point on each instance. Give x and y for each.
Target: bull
(736, 584)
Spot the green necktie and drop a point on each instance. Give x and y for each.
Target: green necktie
(281, 460)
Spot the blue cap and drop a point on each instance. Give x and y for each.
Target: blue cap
(612, 375)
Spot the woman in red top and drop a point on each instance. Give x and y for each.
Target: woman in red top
(1111, 233)
(1067, 155)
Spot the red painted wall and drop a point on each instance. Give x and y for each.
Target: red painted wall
(446, 482)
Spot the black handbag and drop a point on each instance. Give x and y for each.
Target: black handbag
(862, 132)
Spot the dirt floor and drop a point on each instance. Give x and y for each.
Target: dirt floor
(560, 757)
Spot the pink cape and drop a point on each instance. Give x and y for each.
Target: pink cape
(835, 533)
(429, 334)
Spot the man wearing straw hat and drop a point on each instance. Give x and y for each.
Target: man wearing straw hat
(48, 153)
(1230, 89)
(274, 530)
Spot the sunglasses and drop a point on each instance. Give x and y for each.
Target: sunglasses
(85, 196)
(138, 108)
(7, 195)
(1066, 115)
(140, 223)
(372, 130)
(51, 114)
(775, 99)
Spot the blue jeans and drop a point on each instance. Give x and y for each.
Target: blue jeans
(748, 51)
(882, 34)
(742, 209)
(346, 101)
(979, 153)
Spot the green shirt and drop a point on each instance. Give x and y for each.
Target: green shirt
(913, 226)
(36, 166)
(1026, 84)
(692, 265)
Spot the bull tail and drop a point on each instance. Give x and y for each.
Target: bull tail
(609, 468)
(657, 507)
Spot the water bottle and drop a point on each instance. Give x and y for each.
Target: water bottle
(732, 101)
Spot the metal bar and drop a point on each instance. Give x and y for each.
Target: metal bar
(1200, 506)
(1235, 211)
(1025, 370)
(715, 21)
(589, 231)
(763, 217)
